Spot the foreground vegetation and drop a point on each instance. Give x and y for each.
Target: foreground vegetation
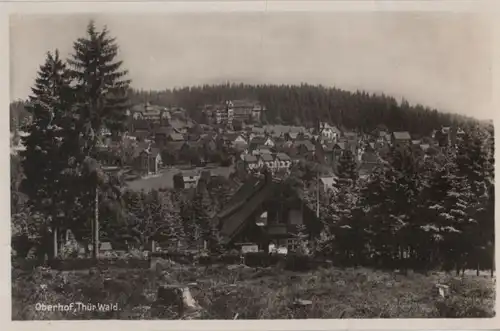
(229, 292)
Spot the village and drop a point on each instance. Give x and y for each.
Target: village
(165, 149)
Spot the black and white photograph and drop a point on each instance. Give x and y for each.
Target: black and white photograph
(278, 165)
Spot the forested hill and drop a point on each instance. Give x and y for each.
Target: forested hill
(305, 104)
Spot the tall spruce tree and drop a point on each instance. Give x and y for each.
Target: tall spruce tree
(100, 81)
(44, 161)
(101, 93)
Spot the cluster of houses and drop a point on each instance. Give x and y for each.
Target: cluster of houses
(162, 137)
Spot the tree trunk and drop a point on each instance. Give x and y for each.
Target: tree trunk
(95, 250)
(493, 262)
(56, 242)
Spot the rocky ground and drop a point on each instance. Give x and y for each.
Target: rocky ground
(239, 292)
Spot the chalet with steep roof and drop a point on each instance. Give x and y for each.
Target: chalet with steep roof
(266, 212)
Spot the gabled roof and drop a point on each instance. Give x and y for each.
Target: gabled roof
(341, 145)
(242, 205)
(250, 186)
(328, 181)
(403, 135)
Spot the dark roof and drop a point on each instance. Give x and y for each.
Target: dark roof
(283, 157)
(249, 158)
(267, 157)
(256, 192)
(403, 135)
(237, 217)
(240, 197)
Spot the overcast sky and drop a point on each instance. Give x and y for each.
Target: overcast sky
(440, 60)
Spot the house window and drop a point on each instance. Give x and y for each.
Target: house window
(292, 244)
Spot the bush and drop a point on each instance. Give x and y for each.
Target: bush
(179, 257)
(81, 264)
(298, 262)
(261, 259)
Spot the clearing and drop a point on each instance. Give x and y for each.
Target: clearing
(254, 293)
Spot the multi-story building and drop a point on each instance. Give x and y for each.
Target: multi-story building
(149, 112)
(240, 110)
(245, 110)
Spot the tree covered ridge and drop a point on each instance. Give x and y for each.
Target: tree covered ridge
(306, 104)
(303, 105)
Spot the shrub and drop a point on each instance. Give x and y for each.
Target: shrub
(261, 259)
(299, 262)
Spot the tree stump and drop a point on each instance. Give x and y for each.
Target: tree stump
(442, 290)
(178, 298)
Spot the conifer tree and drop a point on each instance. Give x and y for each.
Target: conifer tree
(101, 101)
(100, 81)
(173, 230)
(44, 161)
(347, 168)
(203, 214)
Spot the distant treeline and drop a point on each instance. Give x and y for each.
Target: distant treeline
(306, 104)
